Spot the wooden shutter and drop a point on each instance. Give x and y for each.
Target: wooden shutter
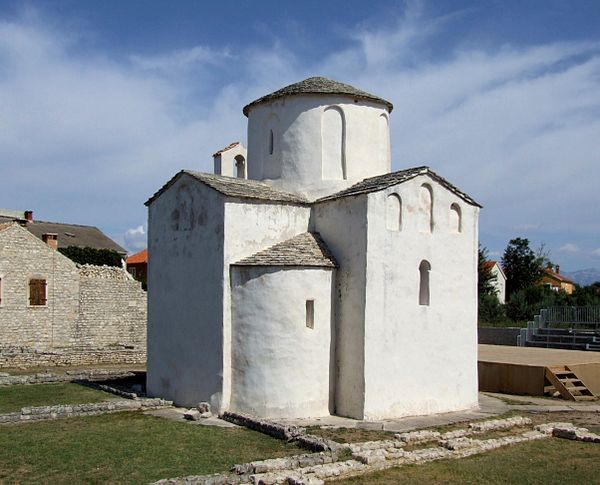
(37, 292)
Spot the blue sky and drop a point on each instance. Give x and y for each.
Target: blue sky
(102, 102)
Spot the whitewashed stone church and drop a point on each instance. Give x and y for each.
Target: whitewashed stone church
(313, 281)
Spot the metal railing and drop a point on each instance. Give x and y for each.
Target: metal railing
(569, 317)
(587, 315)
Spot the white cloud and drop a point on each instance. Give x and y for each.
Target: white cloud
(570, 248)
(135, 239)
(596, 252)
(183, 58)
(516, 127)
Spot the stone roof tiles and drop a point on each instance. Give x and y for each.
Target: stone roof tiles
(228, 147)
(381, 182)
(306, 249)
(319, 85)
(70, 234)
(236, 187)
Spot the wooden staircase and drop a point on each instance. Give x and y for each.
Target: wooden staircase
(566, 382)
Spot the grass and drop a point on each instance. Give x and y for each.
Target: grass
(125, 448)
(545, 461)
(64, 368)
(351, 435)
(13, 398)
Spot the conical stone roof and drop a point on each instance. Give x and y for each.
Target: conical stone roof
(319, 85)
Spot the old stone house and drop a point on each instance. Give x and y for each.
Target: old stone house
(54, 309)
(61, 235)
(320, 282)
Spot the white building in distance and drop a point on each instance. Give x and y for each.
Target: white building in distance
(315, 282)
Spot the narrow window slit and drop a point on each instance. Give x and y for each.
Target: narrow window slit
(310, 313)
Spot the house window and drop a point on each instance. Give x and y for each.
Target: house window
(424, 269)
(310, 313)
(38, 292)
(393, 212)
(455, 218)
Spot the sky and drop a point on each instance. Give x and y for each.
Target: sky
(102, 102)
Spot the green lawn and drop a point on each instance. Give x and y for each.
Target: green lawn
(547, 461)
(125, 447)
(13, 398)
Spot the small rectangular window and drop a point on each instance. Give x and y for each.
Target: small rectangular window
(37, 292)
(310, 313)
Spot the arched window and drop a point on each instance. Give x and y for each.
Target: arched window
(333, 133)
(240, 167)
(393, 212)
(384, 141)
(424, 269)
(425, 208)
(455, 218)
(271, 162)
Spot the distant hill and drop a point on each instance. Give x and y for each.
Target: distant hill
(584, 277)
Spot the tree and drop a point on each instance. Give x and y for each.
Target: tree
(94, 256)
(486, 279)
(523, 268)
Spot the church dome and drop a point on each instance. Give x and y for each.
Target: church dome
(319, 85)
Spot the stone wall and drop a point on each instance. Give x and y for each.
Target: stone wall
(498, 335)
(22, 257)
(93, 314)
(112, 309)
(25, 357)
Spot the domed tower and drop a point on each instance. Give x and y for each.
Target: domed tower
(318, 136)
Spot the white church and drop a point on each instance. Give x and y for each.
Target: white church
(304, 278)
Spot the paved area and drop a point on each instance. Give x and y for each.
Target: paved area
(176, 414)
(490, 405)
(535, 356)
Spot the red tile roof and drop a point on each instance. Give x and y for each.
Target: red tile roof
(558, 276)
(137, 258)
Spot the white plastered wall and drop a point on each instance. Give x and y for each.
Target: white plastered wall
(296, 161)
(225, 162)
(343, 225)
(280, 367)
(499, 283)
(185, 294)
(420, 359)
(251, 226)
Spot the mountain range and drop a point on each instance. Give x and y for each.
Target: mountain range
(584, 277)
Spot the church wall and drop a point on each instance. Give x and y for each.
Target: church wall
(251, 227)
(280, 365)
(296, 161)
(185, 294)
(420, 359)
(343, 225)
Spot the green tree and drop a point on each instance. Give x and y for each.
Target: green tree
(523, 268)
(486, 279)
(94, 256)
